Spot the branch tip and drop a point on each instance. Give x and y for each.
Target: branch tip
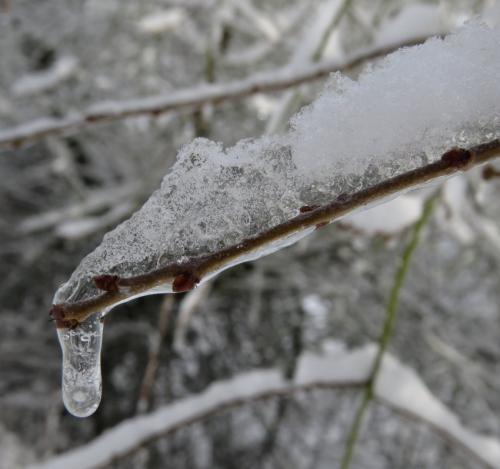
(58, 314)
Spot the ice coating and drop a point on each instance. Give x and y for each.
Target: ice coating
(81, 370)
(403, 112)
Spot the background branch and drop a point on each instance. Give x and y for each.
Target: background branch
(398, 387)
(188, 98)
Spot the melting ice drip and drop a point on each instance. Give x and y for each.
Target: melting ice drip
(81, 373)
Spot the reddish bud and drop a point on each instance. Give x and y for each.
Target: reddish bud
(457, 157)
(308, 208)
(321, 225)
(184, 282)
(58, 314)
(107, 283)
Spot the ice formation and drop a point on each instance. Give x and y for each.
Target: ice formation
(81, 371)
(403, 112)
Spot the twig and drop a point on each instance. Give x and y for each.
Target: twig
(387, 332)
(188, 306)
(291, 100)
(289, 372)
(325, 37)
(188, 98)
(186, 275)
(490, 172)
(98, 200)
(149, 377)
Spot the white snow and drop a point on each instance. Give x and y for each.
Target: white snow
(455, 199)
(401, 388)
(421, 19)
(38, 127)
(388, 218)
(418, 100)
(162, 21)
(62, 69)
(314, 30)
(403, 112)
(398, 387)
(260, 21)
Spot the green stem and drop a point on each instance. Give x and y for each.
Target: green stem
(387, 331)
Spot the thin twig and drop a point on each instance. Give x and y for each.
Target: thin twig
(320, 49)
(490, 172)
(291, 100)
(187, 98)
(387, 332)
(184, 276)
(164, 319)
(187, 307)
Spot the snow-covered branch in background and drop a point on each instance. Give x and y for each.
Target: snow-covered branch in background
(397, 386)
(63, 69)
(194, 97)
(421, 114)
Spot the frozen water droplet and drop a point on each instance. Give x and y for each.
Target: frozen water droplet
(81, 374)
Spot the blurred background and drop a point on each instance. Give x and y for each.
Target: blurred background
(62, 190)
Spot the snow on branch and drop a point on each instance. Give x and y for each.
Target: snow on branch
(397, 386)
(33, 83)
(194, 97)
(422, 113)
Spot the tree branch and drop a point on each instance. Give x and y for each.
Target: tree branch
(184, 276)
(188, 98)
(398, 387)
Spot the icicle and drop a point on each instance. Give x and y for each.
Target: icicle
(81, 373)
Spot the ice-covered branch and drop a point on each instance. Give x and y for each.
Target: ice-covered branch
(396, 386)
(189, 98)
(186, 274)
(421, 114)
